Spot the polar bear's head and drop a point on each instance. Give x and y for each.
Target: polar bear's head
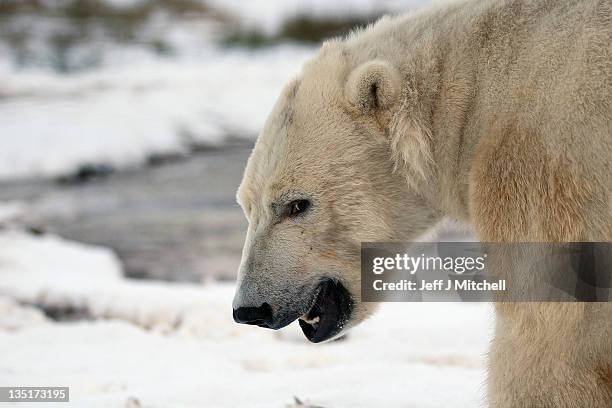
(320, 181)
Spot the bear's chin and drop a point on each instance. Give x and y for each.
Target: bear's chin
(329, 313)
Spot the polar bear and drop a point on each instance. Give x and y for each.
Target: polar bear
(494, 113)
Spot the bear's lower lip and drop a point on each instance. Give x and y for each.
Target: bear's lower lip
(330, 311)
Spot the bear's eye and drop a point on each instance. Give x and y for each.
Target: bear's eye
(297, 207)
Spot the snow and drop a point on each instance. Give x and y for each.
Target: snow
(11, 212)
(14, 316)
(50, 124)
(175, 345)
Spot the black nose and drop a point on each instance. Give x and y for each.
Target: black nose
(260, 316)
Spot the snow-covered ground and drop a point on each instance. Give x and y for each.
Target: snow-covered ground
(50, 124)
(175, 345)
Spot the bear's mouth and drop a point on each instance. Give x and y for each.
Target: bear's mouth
(329, 312)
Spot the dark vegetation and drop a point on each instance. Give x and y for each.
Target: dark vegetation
(65, 313)
(302, 29)
(37, 33)
(70, 35)
(86, 173)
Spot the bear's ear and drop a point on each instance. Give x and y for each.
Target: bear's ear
(373, 86)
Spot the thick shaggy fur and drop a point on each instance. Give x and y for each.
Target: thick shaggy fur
(496, 113)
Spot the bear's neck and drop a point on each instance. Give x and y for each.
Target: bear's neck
(446, 95)
(434, 122)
